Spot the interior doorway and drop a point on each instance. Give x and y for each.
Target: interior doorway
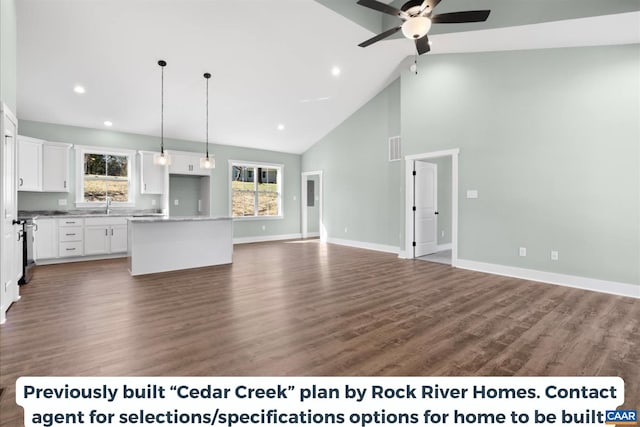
(311, 206)
(431, 219)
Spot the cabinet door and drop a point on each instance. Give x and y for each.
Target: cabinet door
(151, 175)
(96, 239)
(55, 168)
(181, 164)
(29, 165)
(45, 239)
(118, 238)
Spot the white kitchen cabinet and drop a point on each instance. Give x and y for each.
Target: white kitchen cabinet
(55, 167)
(183, 163)
(70, 237)
(96, 239)
(105, 236)
(29, 164)
(152, 176)
(45, 238)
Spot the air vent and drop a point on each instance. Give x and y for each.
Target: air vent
(395, 151)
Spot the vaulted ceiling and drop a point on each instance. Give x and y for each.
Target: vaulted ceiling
(271, 60)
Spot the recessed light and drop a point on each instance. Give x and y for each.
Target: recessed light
(79, 89)
(280, 126)
(108, 124)
(335, 71)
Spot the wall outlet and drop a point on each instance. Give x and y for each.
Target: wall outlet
(176, 202)
(264, 227)
(295, 197)
(523, 251)
(153, 202)
(554, 255)
(62, 202)
(346, 229)
(472, 194)
(442, 233)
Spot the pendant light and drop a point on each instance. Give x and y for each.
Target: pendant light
(207, 162)
(162, 158)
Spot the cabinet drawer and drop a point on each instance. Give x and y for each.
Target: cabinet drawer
(70, 222)
(70, 249)
(70, 234)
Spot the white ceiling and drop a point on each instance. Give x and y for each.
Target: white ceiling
(271, 62)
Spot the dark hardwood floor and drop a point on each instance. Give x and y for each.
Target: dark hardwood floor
(302, 308)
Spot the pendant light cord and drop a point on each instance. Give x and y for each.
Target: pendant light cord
(162, 109)
(207, 141)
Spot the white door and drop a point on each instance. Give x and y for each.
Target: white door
(118, 238)
(425, 202)
(29, 165)
(152, 175)
(96, 239)
(55, 168)
(10, 245)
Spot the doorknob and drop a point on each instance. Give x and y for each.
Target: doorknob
(436, 212)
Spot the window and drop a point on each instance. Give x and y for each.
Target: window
(256, 190)
(103, 174)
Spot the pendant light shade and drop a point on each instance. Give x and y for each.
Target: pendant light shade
(207, 162)
(162, 158)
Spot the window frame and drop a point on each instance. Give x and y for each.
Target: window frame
(280, 179)
(81, 150)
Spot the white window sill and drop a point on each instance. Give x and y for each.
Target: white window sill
(257, 218)
(90, 205)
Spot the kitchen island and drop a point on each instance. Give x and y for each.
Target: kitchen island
(176, 243)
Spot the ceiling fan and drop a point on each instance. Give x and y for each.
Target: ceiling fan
(417, 19)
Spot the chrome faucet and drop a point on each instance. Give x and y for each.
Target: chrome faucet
(108, 206)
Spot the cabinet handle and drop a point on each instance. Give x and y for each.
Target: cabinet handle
(69, 222)
(35, 227)
(65, 184)
(145, 187)
(70, 234)
(21, 182)
(112, 231)
(106, 231)
(70, 249)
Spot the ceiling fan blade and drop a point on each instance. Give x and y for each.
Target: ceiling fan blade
(379, 37)
(428, 5)
(422, 45)
(382, 7)
(461, 17)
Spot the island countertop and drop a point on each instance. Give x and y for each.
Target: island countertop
(178, 218)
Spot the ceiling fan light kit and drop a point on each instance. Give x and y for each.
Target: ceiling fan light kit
(417, 17)
(415, 28)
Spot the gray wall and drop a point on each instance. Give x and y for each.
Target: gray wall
(186, 190)
(8, 37)
(290, 224)
(550, 139)
(361, 187)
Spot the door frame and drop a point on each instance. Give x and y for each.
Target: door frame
(408, 203)
(303, 204)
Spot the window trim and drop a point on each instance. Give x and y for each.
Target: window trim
(245, 163)
(81, 150)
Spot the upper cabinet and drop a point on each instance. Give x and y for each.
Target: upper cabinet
(55, 167)
(29, 164)
(43, 165)
(184, 163)
(152, 176)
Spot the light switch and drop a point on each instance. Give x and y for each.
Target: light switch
(62, 202)
(523, 251)
(472, 194)
(176, 202)
(153, 202)
(554, 255)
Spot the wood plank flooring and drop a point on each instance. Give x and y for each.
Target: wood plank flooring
(304, 308)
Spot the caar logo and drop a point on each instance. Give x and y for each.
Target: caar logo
(622, 417)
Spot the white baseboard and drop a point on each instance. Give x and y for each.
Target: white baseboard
(257, 239)
(364, 245)
(311, 235)
(598, 285)
(445, 247)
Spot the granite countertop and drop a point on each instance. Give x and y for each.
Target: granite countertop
(142, 213)
(179, 218)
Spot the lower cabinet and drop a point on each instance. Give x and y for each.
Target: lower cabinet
(45, 239)
(105, 236)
